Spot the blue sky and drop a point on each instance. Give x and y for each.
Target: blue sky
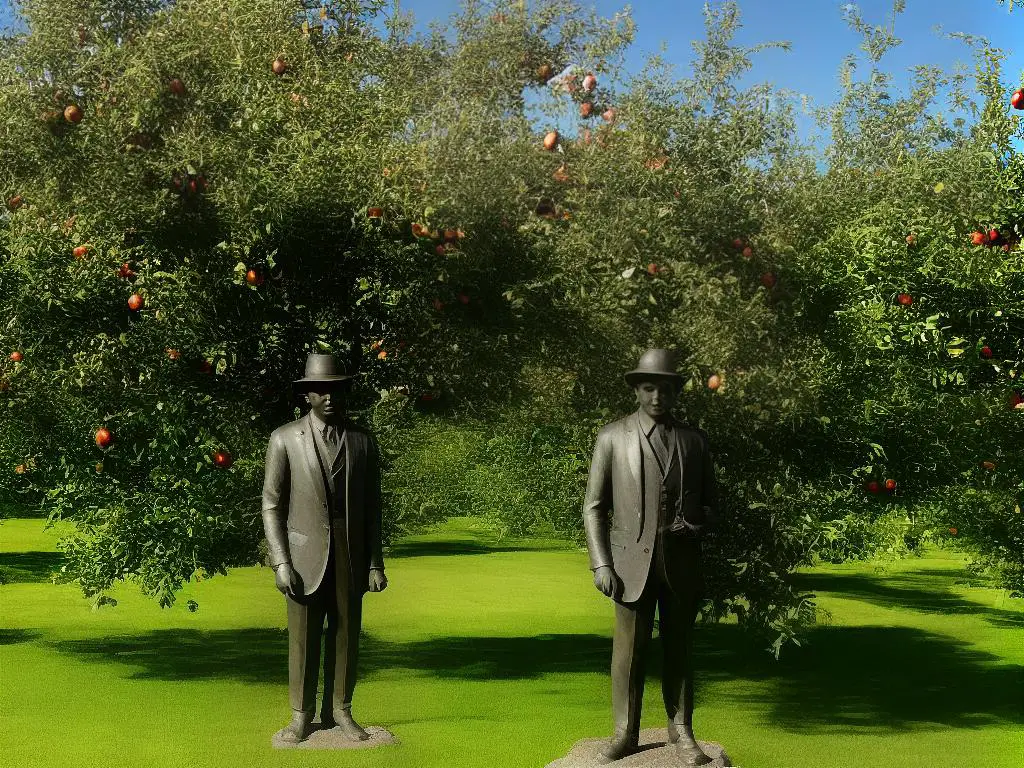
(819, 35)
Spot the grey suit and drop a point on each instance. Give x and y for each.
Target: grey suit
(322, 514)
(660, 506)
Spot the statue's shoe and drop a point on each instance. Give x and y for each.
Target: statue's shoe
(686, 746)
(342, 718)
(690, 753)
(618, 748)
(298, 729)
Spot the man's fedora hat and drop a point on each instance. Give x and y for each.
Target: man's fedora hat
(322, 369)
(655, 363)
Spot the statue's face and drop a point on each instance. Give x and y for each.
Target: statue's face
(657, 396)
(327, 401)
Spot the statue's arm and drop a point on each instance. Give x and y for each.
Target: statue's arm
(373, 506)
(597, 502)
(276, 482)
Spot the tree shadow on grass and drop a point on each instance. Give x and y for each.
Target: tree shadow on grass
(437, 548)
(865, 679)
(15, 636)
(20, 567)
(921, 591)
(261, 655)
(857, 679)
(467, 547)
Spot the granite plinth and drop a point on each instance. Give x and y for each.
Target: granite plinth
(655, 752)
(335, 738)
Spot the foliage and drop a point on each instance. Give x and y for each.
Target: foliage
(394, 201)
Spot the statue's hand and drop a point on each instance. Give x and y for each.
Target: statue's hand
(378, 581)
(606, 580)
(286, 579)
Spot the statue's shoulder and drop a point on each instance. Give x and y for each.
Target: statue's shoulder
(358, 426)
(703, 435)
(617, 427)
(289, 429)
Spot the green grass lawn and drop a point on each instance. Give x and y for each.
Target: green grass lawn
(485, 654)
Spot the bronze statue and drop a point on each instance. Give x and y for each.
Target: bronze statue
(322, 519)
(656, 475)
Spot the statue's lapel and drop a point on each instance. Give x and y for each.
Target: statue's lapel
(312, 462)
(633, 434)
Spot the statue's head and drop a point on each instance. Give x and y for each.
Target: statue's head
(656, 383)
(324, 386)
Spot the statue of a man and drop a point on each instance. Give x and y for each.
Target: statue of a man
(655, 474)
(322, 519)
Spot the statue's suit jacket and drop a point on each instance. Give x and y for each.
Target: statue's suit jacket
(296, 513)
(621, 481)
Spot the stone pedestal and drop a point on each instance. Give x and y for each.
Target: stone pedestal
(655, 752)
(334, 738)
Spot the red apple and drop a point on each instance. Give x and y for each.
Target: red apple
(73, 113)
(279, 66)
(977, 238)
(586, 109)
(374, 213)
(890, 485)
(441, 249)
(16, 356)
(177, 87)
(80, 251)
(873, 486)
(418, 230)
(254, 277)
(609, 114)
(104, 437)
(551, 140)
(911, 239)
(768, 280)
(136, 302)
(993, 235)
(223, 459)
(737, 243)
(1017, 99)
(748, 252)
(986, 351)
(126, 271)
(714, 381)
(589, 82)
(14, 203)
(905, 299)
(382, 355)
(652, 269)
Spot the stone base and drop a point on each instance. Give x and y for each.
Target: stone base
(334, 738)
(655, 752)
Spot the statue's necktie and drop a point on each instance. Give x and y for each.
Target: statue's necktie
(661, 445)
(331, 435)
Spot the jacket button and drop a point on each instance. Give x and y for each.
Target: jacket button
(647, 551)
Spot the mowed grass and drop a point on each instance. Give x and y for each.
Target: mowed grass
(496, 654)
